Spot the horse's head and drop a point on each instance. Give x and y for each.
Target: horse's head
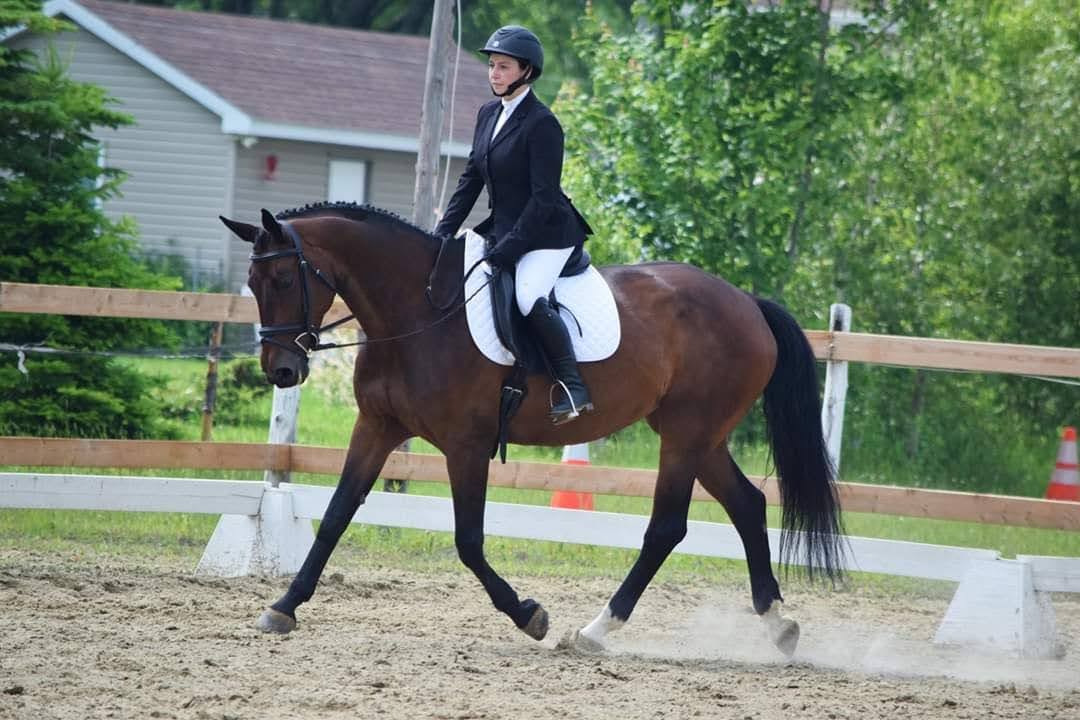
(292, 297)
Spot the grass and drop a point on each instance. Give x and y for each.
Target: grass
(327, 421)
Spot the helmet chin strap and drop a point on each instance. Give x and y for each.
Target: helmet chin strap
(514, 85)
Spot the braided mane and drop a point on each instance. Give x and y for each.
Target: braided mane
(352, 211)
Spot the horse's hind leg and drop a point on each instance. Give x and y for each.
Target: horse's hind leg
(745, 505)
(666, 529)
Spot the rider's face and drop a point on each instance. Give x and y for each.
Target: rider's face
(503, 70)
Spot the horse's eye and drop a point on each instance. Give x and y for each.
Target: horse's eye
(283, 281)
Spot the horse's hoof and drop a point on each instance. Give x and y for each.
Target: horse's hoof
(537, 626)
(786, 636)
(581, 643)
(274, 621)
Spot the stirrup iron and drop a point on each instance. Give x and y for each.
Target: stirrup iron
(562, 417)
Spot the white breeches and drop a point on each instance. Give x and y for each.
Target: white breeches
(536, 274)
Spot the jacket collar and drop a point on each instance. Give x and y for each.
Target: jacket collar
(520, 113)
(516, 102)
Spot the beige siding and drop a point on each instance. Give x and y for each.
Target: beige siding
(394, 182)
(175, 155)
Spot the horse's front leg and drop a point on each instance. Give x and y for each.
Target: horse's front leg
(468, 472)
(373, 439)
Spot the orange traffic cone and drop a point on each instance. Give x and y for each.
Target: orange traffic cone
(573, 455)
(1065, 482)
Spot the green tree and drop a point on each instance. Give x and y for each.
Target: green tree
(52, 230)
(920, 165)
(707, 136)
(962, 223)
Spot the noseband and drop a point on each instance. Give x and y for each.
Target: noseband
(307, 328)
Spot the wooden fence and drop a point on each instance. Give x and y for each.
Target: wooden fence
(828, 345)
(834, 347)
(285, 458)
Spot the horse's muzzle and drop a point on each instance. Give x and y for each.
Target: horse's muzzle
(285, 376)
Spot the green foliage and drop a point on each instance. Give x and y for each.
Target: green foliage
(15, 13)
(73, 397)
(921, 167)
(53, 231)
(698, 139)
(962, 222)
(242, 395)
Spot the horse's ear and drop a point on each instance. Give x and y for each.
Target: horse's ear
(270, 223)
(244, 231)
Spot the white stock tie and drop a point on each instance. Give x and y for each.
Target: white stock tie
(501, 121)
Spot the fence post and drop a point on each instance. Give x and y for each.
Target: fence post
(836, 373)
(275, 541)
(283, 427)
(210, 398)
(283, 413)
(998, 606)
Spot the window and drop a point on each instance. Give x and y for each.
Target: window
(347, 181)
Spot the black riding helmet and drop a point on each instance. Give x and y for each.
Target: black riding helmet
(517, 42)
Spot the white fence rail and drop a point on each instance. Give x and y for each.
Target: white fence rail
(42, 491)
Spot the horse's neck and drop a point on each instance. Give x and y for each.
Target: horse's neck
(383, 279)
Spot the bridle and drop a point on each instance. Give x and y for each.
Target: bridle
(311, 329)
(307, 328)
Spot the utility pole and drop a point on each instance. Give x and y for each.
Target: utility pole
(431, 114)
(431, 123)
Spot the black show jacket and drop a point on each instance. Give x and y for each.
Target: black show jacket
(521, 169)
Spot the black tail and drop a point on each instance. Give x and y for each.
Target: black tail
(811, 509)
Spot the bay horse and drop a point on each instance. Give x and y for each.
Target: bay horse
(695, 354)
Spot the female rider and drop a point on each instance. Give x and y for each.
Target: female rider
(533, 228)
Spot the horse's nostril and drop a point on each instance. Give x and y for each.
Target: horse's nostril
(284, 377)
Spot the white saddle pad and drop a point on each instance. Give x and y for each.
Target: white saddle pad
(587, 295)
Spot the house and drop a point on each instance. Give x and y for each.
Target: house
(233, 114)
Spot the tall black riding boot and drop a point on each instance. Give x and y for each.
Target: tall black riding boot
(573, 396)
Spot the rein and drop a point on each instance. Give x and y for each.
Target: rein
(309, 328)
(402, 336)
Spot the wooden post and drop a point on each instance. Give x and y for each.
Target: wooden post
(427, 158)
(431, 115)
(836, 381)
(210, 398)
(283, 427)
(245, 291)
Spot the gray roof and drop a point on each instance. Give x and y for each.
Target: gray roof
(298, 74)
